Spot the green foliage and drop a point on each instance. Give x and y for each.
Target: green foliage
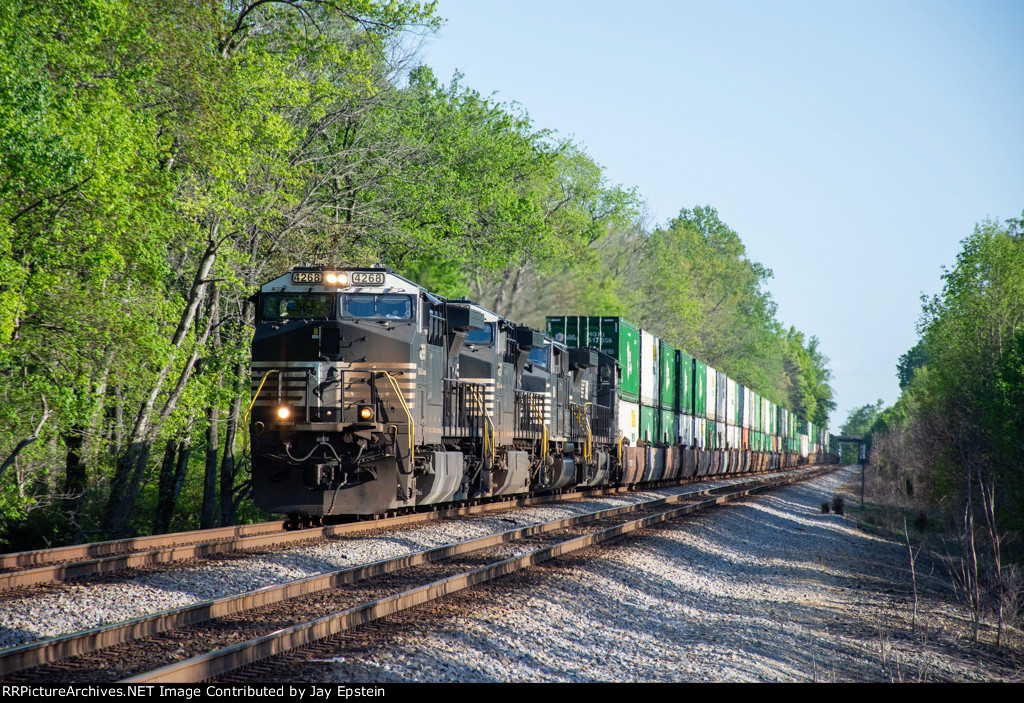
(810, 394)
(158, 159)
(910, 362)
(859, 422)
(962, 403)
(696, 289)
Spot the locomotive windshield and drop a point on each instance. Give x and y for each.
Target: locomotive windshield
(379, 307)
(281, 306)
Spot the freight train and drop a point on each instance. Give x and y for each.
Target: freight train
(373, 396)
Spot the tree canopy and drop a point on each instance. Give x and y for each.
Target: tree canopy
(959, 419)
(158, 160)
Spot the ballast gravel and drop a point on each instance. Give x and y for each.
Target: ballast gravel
(80, 605)
(770, 590)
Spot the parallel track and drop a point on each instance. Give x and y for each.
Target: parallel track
(22, 569)
(63, 563)
(276, 617)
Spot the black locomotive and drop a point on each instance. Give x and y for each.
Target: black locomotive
(372, 396)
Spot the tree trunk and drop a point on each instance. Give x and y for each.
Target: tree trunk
(165, 501)
(227, 466)
(131, 466)
(172, 478)
(74, 479)
(209, 512)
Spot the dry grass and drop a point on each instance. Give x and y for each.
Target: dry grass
(897, 506)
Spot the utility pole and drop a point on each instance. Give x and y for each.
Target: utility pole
(863, 468)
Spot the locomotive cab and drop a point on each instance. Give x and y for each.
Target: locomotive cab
(487, 361)
(340, 385)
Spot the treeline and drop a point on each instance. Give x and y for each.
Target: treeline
(948, 454)
(691, 284)
(159, 160)
(956, 435)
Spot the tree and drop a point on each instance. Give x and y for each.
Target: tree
(859, 422)
(910, 362)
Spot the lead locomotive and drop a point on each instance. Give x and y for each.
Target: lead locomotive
(371, 395)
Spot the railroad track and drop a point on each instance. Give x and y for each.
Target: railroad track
(23, 569)
(213, 638)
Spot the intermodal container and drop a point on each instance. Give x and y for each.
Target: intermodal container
(649, 385)
(668, 398)
(684, 383)
(613, 335)
(700, 388)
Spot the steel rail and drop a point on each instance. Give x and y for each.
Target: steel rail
(62, 563)
(120, 546)
(227, 659)
(238, 538)
(54, 649)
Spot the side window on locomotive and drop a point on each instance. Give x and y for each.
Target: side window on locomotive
(482, 337)
(539, 356)
(287, 306)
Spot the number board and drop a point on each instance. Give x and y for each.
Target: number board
(360, 278)
(307, 277)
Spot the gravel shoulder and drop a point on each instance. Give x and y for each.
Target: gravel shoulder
(766, 590)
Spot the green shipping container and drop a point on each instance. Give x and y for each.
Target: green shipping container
(700, 391)
(684, 382)
(668, 396)
(613, 336)
(649, 424)
(667, 431)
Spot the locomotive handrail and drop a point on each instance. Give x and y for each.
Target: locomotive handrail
(475, 388)
(408, 415)
(590, 434)
(544, 428)
(262, 381)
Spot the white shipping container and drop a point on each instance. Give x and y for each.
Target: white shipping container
(684, 429)
(629, 421)
(712, 394)
(723, 394)
(748, 406)
(730, 401)
(648, 369)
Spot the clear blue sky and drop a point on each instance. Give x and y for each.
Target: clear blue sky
(852, 145)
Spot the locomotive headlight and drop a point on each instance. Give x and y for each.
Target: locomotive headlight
(366, 412)
(343, 279)
(332, 278)
(283, 412)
